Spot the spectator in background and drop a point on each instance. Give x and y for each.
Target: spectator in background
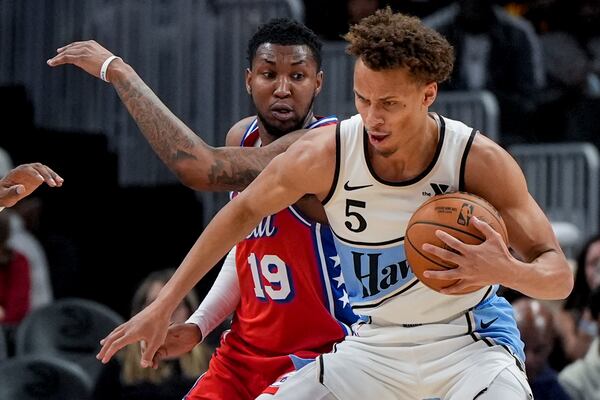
(26, 243)
(358, 9)
(494, 51)
(535, 322)
(581, 379)
(124, 378)
(15, 281)
(332, 19)
(575, 325)
(569, 32)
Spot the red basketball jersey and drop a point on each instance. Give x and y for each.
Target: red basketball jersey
(286, 269)
(293, 306)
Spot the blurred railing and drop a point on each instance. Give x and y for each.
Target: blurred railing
(563, 178)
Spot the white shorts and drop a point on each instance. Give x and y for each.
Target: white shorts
(399, 363)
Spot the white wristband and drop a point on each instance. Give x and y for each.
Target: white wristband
(105, 65)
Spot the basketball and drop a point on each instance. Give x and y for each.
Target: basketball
(452, 214)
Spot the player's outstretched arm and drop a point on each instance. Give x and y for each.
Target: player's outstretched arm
(220, 302)
(303, 169)
(21, 181)
(195, 163)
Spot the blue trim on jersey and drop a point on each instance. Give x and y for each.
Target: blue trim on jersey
(299, 215)
(300, 362)
(334, 291)
(332, 119)
(251, 128)
(495, 321)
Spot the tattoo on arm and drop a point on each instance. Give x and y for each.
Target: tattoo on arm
(235, 169)
(168, 136)
(186, 154)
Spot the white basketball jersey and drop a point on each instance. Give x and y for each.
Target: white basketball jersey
(368, 217)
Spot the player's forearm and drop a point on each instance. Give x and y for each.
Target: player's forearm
(231, 224)
(195, 163)
(221, 300)
(175, 144)
(548, 277)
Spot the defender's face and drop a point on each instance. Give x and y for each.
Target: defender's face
(392, 104)
(283, 83)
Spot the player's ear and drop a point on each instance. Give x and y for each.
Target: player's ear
(319, 82)
(430, 93)
(249, 81)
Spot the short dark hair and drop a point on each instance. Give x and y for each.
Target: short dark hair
(387, 40)
(285, 32)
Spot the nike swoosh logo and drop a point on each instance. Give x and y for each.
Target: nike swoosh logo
(485, 325)
(351, 188)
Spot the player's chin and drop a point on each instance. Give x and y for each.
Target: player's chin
(285, 125)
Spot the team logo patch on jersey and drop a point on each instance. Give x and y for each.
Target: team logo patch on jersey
(349, 188)
(439, 188)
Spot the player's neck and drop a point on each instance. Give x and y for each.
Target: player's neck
(412, 156)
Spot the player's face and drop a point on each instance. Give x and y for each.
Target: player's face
(283, 83)
(393, 106)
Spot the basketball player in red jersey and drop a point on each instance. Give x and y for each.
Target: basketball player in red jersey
(288, 275)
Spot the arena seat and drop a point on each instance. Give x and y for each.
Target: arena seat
(37, 377)
(3, 344)
(69, 328)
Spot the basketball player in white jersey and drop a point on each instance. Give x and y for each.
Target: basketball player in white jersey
(372, 172)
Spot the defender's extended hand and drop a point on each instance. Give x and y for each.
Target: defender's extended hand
(87, 55)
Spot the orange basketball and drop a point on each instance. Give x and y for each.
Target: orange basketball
(451, 213)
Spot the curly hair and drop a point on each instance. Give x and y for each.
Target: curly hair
(286, 32)
(387, 40)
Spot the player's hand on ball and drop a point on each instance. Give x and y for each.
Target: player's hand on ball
(477, 264)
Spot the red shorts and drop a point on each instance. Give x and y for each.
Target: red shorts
(236, 373)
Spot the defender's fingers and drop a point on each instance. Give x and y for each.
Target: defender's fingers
(70, 45)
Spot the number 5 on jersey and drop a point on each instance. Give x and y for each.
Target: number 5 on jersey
(275, 271)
